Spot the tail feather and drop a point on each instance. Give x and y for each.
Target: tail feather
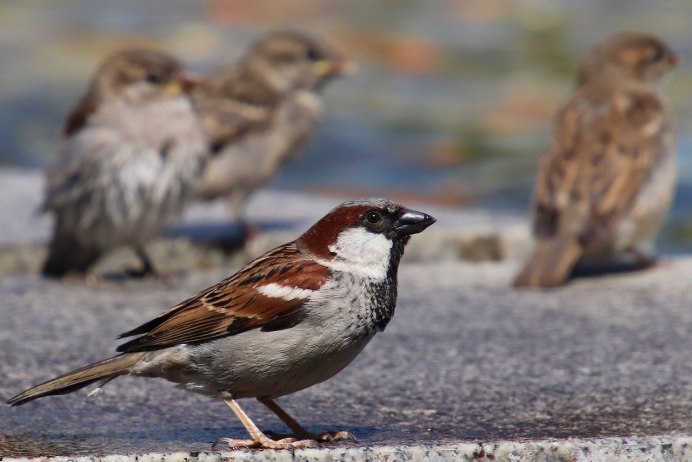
(67, 255)
(551, 262)
(72, 381)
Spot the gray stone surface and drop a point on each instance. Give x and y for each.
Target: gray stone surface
(469, 369)
(465, 360)
(633, 450)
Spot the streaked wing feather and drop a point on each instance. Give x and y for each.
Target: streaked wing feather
(234, 103)
(235, 305)
(602, 151)
(78, 169)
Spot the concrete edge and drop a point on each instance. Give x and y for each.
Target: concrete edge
(663, 448)
(180, 253)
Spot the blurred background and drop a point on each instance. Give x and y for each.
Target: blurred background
(451, 105)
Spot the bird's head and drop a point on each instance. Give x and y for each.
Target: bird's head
(629, 56)
(140, 75)
(364, 236)
(292, 60)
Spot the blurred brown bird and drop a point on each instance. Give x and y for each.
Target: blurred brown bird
(130, 157)
(606, 182)
(261, 111)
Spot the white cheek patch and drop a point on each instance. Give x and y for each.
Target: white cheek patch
(361, 252)
(274, 290)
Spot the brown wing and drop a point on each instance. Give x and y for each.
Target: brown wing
(604, 146)
(233, 103)
(78, 177)
(79, 115)
(77, 118)
(236, 304)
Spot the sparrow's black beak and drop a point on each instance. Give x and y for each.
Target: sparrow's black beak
(412, 222)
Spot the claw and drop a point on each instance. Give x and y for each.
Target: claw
(328, 437)
(230, 443)
(300, 439)
(262, 443)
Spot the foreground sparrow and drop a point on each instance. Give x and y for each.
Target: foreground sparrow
(292, 318)
(130, 158)
(260, 112)
(606, 182)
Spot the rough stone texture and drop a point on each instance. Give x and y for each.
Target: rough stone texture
(634, 450)
(469, 369)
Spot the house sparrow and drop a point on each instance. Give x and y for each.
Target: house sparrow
(130, 157)
(290, 319)
(260, 112)
(607, 180)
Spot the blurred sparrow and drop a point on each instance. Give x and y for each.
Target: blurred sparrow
(606, 182)
(290, 319)
(260, 112)
(130, 158)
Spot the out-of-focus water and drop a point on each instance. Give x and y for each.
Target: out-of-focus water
(452, 102)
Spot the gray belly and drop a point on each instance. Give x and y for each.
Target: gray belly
(256, 363)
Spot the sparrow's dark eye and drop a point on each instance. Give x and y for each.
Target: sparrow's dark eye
(374, 221)
(154, 79)
(373, 217)
(312, 54)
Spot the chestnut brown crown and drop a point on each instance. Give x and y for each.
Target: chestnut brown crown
(377, 216)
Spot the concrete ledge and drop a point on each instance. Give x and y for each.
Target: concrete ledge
(603, 450)
(207, 238)
(466, 359)
(180, 253)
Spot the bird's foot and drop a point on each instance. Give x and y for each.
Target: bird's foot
(326, 437)
(645, 262)
(140, 273)
(147, 269)
(263, 442)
